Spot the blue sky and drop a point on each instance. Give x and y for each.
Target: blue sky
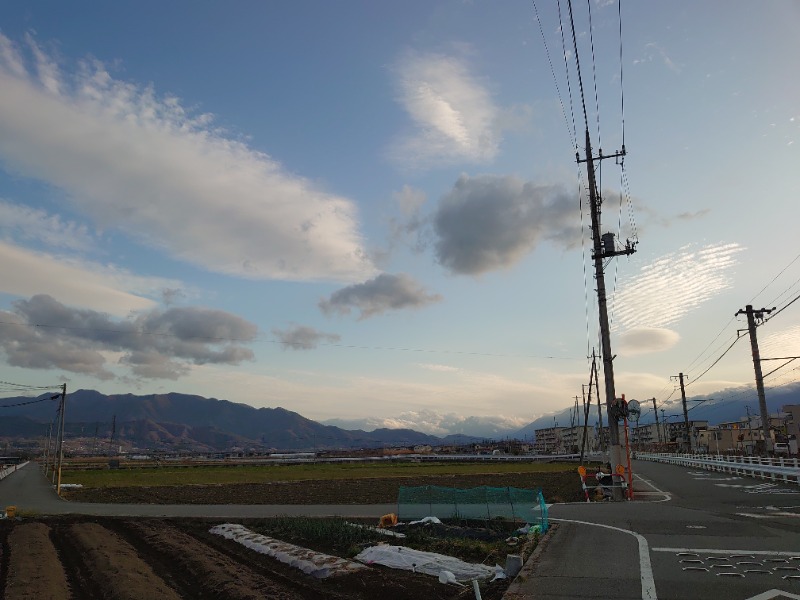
(369, 213)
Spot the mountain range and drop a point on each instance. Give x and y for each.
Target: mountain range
(176, 421)
(180, 421)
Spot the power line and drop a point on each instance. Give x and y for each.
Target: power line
(594, 80)
(555, 80)
(621, 86)
(45, 399)
(719, 358)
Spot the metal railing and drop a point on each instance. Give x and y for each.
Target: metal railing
(775, 469)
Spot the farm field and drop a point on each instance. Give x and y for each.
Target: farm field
(82, 558)
(311, 483)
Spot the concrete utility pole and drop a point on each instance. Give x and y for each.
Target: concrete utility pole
(655, 412)
(752, 315)
(604, 247)
(664, 426)
(679, 376)
(61, 445)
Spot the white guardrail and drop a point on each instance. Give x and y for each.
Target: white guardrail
(776, 469)
(11, 469)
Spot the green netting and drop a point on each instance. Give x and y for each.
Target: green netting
(476, 503)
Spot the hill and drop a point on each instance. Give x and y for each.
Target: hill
(181, 421)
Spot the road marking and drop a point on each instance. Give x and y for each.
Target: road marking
(645, 568)
(774, 515)
(667, 496)
(725, 551)
(770, 594)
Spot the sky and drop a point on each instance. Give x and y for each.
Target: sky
(370, 213)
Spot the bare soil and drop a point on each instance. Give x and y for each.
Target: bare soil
(557, 487)
(34, 571)
(94, 558)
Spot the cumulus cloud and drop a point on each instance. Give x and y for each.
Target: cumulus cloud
(646, 340)
(42, 333)
(100, 287)
(490, 222)
(379, 295)
(453, 114)
(665, 290)
(140, 162)
(302, 337)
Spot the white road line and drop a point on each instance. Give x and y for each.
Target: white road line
(774, 594)
(645, 568)
(726, 551)
(667, 497)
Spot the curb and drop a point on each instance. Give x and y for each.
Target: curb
(515, 590)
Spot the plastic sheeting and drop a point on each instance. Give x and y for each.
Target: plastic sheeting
(308, 561)
(430, 563)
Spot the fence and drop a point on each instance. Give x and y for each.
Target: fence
(10, 469)
(476, 503)
(775, 469)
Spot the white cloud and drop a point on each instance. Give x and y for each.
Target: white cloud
(453, 114)
(35, 225)
(98, 287)
(438, 368)
(646, 340)
(667, 289)
(132, 160)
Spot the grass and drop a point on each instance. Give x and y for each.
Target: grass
(171, 475)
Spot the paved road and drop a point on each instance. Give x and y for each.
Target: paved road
(31, 493)
(694, 534)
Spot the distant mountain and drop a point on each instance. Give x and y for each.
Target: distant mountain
(716, 409)
(187, 421)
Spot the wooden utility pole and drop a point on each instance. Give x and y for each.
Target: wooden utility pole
(679, 377)
(604, 248)
(655, 412)
(752, 315)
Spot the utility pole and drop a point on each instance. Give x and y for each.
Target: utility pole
(58, 441)
(601, 445)
(61, 445)
(750, 428)
(47, 450)
(604, 247)
(752, 316)
(679, 376)
(664, 426)
(655, 412)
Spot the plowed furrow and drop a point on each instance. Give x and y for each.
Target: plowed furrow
(116, 568)
(34, 571)
(222, 576)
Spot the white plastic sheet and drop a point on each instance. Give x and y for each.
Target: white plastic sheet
(310, 562)
(430, 563)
